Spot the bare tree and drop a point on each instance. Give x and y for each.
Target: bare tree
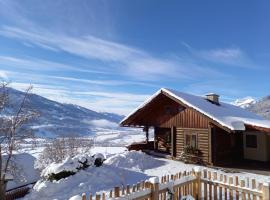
(61, 148)
(13, 129)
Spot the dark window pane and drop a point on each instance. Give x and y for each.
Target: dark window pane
(194, 141)
(251, 141)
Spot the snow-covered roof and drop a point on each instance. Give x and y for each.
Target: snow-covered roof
(228, 115)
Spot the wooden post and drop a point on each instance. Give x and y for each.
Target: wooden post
(236, 184)
(146, 130)
(90, 196)
(128, 189)
(205, 196)
(116, 192)
(230, 190)
(220, 188)
(83, 196)
(97, 196)
(172, 141)
(154, 188)
(215, 185)
(266, 190)
(243, 194)
(198, 188)
(210, 184)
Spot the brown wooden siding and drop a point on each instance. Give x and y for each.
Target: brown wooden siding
(188, 118)
(156, 114)
(179, 141)
(202, 141)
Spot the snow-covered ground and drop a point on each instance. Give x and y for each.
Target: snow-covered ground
(118, 170)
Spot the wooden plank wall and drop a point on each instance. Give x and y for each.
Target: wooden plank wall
(202, 137)
(188, 118)
(179, 141)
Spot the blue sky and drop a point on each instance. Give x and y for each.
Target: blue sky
(111, 55)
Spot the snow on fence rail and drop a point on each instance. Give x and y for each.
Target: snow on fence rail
(200, 184)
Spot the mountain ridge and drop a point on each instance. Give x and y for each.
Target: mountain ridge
(60, 119)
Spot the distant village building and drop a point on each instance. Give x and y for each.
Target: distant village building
(222, 132)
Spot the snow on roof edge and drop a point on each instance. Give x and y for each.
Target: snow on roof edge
(240, 126)
(198, 109)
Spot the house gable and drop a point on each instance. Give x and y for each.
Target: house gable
(166, 111)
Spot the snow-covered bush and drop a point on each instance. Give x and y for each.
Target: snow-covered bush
(60, 149)
(57, 171)
(99, 159)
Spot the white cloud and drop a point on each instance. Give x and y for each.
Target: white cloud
(3, 75)
(122, 59)
(35, 64)
(103, 123)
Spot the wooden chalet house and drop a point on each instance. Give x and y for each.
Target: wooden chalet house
(221, 131)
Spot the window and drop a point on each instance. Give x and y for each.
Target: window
(251, 141)
(168, 137)
(191, 140)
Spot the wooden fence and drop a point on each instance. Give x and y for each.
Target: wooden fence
(205, 185)
(17, 193)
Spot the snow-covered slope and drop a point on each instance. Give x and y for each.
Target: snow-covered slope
(262, 107)
(245, 102)
(57, 119)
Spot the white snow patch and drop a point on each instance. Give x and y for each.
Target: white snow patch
(135, 160)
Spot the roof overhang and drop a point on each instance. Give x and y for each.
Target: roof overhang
(175, 98)
(183, 102)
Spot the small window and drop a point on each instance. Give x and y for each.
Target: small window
(191, 140)
(181, 108)
(168, 138)
(251, 141)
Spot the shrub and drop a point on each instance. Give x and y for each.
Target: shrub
(60, 175)
(98, 162)
(191, 155)
(70, 166)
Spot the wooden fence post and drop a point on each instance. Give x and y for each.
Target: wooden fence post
(154, 188)
(83, 196)
(266, 190)
(198, 174)
(116, 192)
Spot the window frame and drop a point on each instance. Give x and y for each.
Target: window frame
(191, 135)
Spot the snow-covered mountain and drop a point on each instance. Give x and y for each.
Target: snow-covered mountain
(58, 119)
(261, 107)
(245, 102)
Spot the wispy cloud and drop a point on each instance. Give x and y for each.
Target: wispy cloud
(36, 64)
(232, 56)
(127, 60)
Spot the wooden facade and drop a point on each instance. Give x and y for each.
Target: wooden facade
(176, 123)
